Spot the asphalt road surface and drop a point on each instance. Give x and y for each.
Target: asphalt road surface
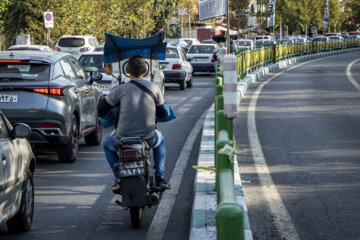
(74, 201)
(300, 164)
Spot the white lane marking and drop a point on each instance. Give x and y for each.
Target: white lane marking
(350, 77)
(282, 218)
(162, 215)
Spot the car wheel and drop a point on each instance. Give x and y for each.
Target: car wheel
(94, 138)
(182, 85)
(67, 152)
(190, 82)
(22, 221)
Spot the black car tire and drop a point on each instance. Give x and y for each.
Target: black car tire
(190, 82)
(67, 152)
(94, 138)
(22, 221)
(136, 215)
(182, 85)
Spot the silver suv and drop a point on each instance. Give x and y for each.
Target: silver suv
(51, 93)
(76, 44)
(16, 181)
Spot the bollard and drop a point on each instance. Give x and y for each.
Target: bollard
(230, 85)
(219, 90)
(218, 81)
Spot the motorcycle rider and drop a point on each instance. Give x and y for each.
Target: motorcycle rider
(137, 113)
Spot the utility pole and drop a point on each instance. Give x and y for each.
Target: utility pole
(228, 27)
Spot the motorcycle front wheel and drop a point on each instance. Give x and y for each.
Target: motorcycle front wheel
(136, 215)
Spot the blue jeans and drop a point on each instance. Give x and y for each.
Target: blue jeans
(110, 145)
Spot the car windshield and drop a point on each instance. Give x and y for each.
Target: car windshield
(245, 43)
(172, 53)
(92, 62)
(300, 40)
(24, 71)
(71, 42)
(189, 42)
(202, 49)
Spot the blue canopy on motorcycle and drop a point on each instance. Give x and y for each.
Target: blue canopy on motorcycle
(119, 48)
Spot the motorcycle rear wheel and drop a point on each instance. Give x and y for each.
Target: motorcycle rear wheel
(136, 215)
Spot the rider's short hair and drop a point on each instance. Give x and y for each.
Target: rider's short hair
(136, 65)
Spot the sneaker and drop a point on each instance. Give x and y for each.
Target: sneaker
(160, 182)
(116, 189)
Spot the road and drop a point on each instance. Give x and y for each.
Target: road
(300, 164)
(74, 201)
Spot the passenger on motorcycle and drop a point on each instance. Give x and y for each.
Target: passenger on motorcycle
(137, 113)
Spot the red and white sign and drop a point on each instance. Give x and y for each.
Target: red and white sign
(48, 19)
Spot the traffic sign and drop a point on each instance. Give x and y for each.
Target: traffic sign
(48, 19)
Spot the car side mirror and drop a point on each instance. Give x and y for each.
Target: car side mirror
(162, 67)
(95, 76)
(190, 59)
(22, 130)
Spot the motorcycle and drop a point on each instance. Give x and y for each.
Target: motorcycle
(137, 183)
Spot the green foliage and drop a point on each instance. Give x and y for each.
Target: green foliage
(130, 18)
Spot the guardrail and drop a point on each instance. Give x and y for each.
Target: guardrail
(250, 60)
(229, 213)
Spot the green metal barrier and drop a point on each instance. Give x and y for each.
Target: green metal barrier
(229, 213)
(261, 56)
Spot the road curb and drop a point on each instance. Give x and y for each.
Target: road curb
(203, 225)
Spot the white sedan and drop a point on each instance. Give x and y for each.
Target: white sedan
(202, 55)
(177, 67)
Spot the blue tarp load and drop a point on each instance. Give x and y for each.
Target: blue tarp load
(119, 48)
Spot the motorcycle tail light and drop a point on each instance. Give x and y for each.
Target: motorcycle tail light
(130, 155)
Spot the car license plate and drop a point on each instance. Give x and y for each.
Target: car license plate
(105, 87)
(200, 60)
(8, 98)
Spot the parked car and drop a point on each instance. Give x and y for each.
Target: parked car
(202, 55)
(336, 38)
(190, 41)
(51, 93)
(43, 48)
(300, 40)
(245, 44)
(321, 39)
(76, 44)
(177, 67)
(94, 62)
(264, 43)
(287, 40)
(16, 176)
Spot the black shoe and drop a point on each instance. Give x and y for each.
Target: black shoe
(116, 189)
(161, 183)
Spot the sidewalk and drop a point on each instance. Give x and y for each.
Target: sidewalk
(203, 225)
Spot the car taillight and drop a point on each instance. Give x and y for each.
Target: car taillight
(51, 91)
(85, 49)
(57, 49)
(176, 66)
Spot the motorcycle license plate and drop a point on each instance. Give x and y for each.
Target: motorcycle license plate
(133, 168)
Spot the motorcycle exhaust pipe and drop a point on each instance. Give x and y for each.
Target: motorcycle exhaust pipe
(154, 198)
